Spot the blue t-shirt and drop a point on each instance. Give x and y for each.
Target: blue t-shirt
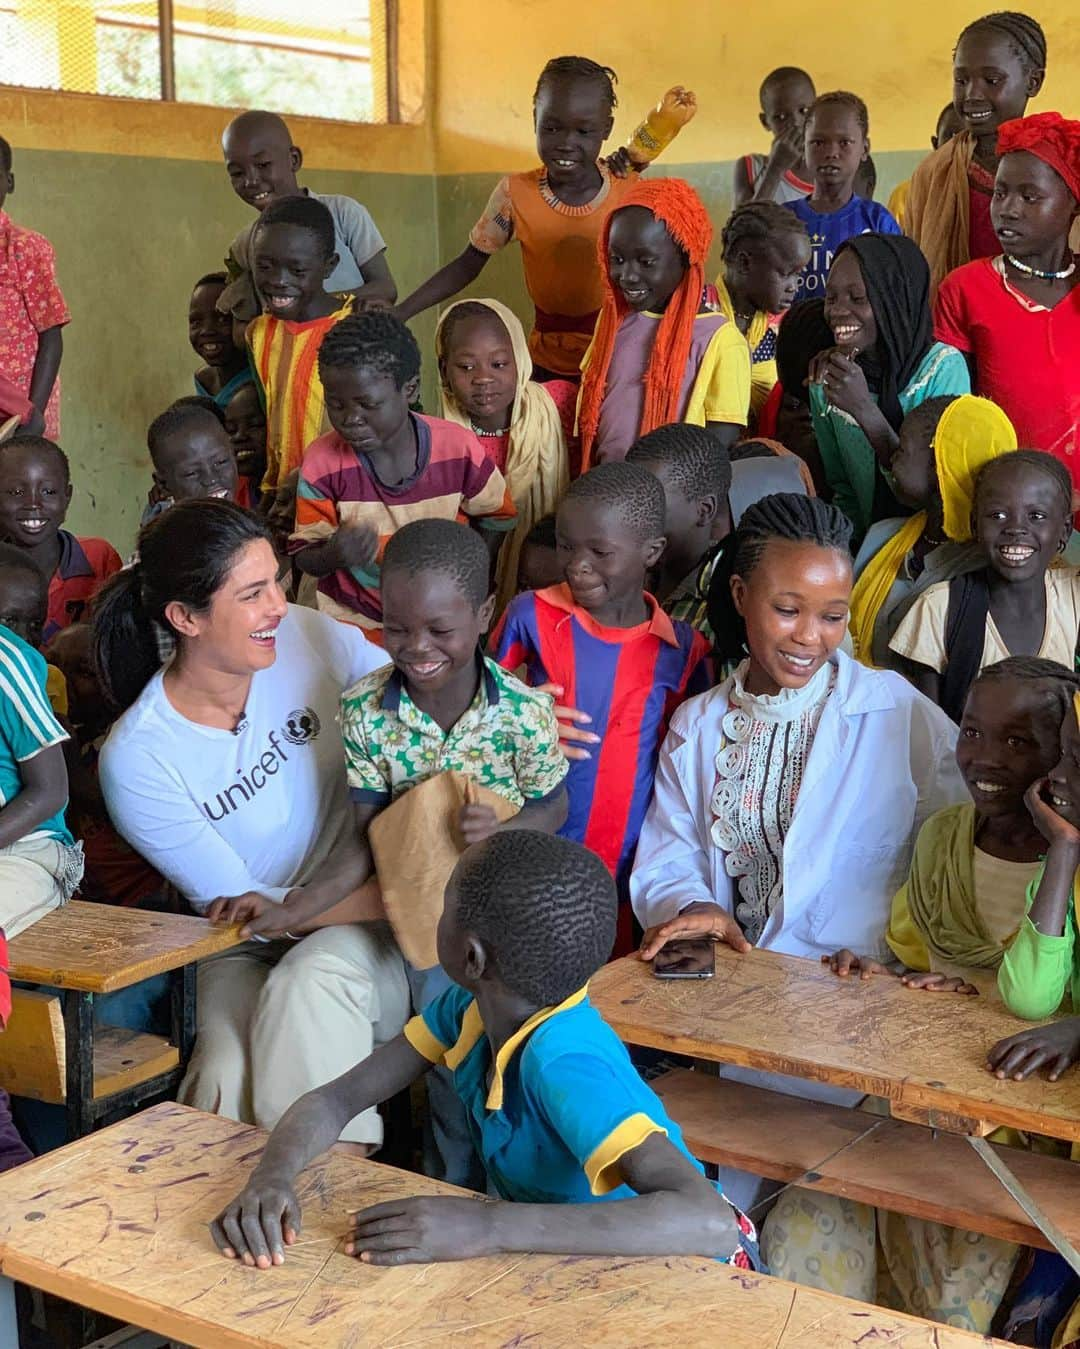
(27, 724)
(828, 232)
(564, 1104)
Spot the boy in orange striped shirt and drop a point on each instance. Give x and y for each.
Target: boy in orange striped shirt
(293, 255)
(381, 467)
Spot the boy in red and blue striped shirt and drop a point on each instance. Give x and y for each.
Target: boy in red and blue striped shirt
(614, 652)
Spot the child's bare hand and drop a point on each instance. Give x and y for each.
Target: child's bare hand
(477, 822)
(418, 1231)
(1054, 1047)
(938, 983)
(787, 148)
(1049, 823)
(260, 1222)
(355, 546)
(846, 962)
(572, 722)
(842, 379)
(238, 908)
(620, 163)
(696, 920)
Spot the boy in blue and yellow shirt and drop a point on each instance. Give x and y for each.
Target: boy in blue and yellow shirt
(556, 1110)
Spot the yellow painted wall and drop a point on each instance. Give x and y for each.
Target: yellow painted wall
(895, 54)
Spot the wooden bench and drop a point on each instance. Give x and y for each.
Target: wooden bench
(899, 1166)
(52, 1051)
(118, 1222)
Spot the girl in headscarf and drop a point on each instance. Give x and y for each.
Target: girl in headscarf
(884, 363)
(662, 352)
(487, 385)
(1016, 316)
(943, 444)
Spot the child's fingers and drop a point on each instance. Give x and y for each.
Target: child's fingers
(408, 1255)
(472, 796)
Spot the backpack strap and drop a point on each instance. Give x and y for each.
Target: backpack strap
(965, 637)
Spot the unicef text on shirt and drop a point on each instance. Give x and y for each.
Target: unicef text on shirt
(301, 728)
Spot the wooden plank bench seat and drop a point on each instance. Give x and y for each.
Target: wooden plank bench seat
(901, 1167)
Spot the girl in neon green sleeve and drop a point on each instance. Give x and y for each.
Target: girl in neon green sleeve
(1042, 963)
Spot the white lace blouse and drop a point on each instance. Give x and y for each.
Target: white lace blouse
(764, 744)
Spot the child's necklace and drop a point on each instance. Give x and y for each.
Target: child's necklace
(1025, 270)
(479, 430)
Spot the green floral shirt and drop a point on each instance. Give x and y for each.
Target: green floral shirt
(508, 740)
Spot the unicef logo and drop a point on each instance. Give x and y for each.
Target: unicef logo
(301, 726)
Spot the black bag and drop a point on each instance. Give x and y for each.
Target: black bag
(965, 637)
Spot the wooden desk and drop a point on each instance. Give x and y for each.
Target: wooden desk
(118, 1221)
(89, 949)
(924, 1052)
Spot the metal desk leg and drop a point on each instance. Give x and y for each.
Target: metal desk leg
(79, 1048)
(182, 990)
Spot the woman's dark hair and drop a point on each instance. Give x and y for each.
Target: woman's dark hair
(579, 68)
(784, 515)
(186, 554)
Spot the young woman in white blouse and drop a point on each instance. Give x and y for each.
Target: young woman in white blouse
(226, 771)
(788, 798)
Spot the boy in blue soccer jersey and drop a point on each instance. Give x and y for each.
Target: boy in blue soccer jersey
(558, 1114)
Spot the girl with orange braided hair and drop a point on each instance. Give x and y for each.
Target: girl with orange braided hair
(662, 351)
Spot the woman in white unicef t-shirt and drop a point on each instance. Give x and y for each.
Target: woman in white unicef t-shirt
(226, 771)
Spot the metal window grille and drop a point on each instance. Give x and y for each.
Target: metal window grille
(328, 58)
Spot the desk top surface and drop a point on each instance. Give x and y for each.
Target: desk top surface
(99, 948)
(117, 1221)
(924, 1052)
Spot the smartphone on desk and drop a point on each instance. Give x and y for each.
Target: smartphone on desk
(686, 958)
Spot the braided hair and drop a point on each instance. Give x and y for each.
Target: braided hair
(784, 515)
(1024, 33)
(375, 340)
(757, 224)
(578, 68)
(1061, 682)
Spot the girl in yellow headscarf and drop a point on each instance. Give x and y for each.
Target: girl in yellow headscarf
(943, 444)
(486, 374)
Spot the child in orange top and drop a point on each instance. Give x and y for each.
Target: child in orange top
(663, 350)
(556, 211)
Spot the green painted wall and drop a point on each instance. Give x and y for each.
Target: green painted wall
(131, 235)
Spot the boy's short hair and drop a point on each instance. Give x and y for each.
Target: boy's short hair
(696, 462)
(628, 489)
(544, 906)
(185, 412)
(842, 98)
(305, 213)
(377, 340)
(5, 156)
(19, 442)
(17, 559)
(443, 546)
(211, 279)
(1040, 460)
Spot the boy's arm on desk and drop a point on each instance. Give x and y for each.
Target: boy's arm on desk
(264, 1217)
(676, 1212)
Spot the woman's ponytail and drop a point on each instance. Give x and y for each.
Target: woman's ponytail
(125, 643)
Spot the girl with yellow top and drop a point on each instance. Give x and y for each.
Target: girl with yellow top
(943, 444)
(765, 251)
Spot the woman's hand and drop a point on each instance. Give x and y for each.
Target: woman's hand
(846, 962)
(696, 920)
(843, 381)
(571, 723)
(938, 983)
(1049, 823)
(1054, 1047)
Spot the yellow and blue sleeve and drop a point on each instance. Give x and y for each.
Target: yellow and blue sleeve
(438, 1026)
